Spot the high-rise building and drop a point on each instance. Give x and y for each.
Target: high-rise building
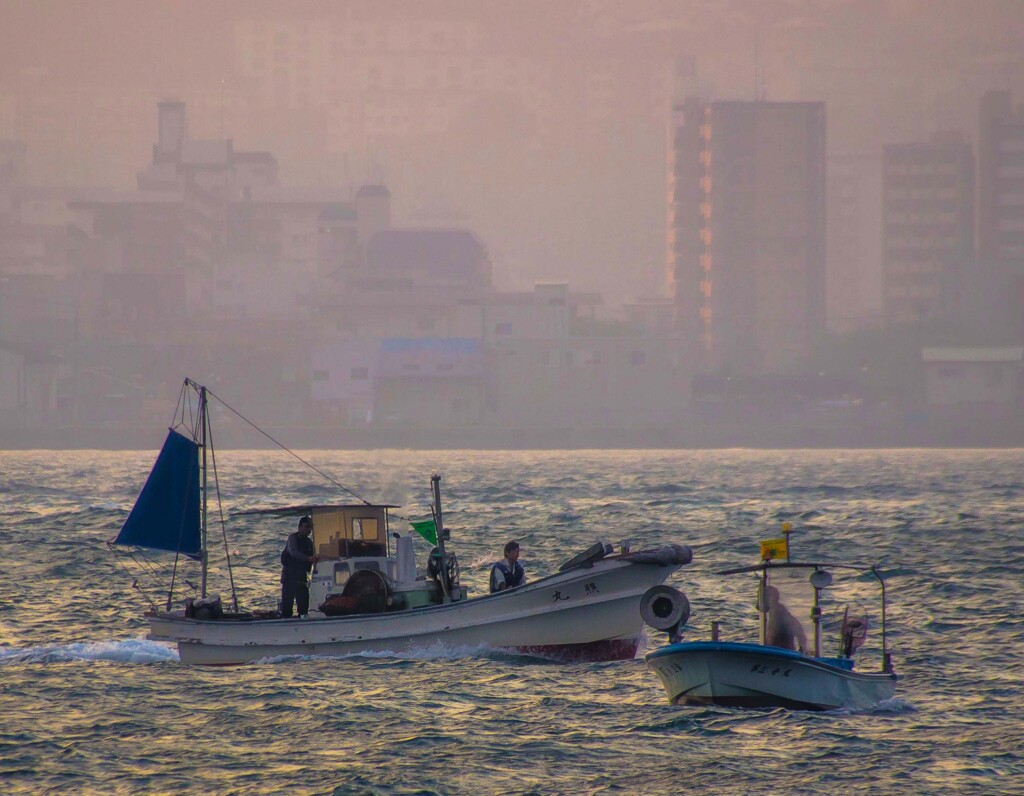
(1000, 215)
(854, 280)
(747, 232)
(927, 227)
(1001, 180)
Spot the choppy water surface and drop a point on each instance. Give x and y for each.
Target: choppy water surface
(89, 705)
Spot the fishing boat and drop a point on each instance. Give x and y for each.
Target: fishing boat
(368, 593)
(787, 667)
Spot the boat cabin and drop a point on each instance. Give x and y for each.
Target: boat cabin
(350, 531)
(349, 539)
(352, 542)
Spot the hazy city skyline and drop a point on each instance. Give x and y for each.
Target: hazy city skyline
(580, 223)
(570, 185)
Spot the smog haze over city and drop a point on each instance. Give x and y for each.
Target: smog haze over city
(480, 223)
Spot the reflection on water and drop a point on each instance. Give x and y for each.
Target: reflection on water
(89, 705)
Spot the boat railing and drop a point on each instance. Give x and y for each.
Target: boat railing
(765, 567)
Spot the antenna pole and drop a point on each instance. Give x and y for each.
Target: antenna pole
(446, 587)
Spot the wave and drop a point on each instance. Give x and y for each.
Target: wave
(894, 706)
(129, 651)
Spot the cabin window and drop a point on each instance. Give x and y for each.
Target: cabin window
(364, 528)
(371, 565)
(341, 574)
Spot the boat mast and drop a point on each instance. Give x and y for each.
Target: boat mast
(446, 587)
(202, 528)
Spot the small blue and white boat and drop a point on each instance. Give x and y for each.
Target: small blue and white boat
(786, 668)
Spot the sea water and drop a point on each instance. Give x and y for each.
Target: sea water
(88, 705)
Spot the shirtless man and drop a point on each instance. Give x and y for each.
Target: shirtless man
(784, 630)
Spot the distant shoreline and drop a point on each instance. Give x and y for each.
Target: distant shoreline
(704, 438)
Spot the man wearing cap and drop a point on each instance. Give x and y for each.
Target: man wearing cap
(297, 559)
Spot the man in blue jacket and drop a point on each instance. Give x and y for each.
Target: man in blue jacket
(297, 559)
(508, 573)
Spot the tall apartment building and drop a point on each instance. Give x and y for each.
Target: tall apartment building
(1001, 180)
(747, 232)
(998, 293)
(927, 227)
(854, 280)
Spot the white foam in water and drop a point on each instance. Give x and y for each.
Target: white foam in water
(894, 705)
(481, 562)
(108, 506)
(131, 651)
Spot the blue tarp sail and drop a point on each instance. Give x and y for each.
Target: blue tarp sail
(166, 514)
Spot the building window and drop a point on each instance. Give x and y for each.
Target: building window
(503, 329)
(321, 375)
(637, 357)
(361, 373)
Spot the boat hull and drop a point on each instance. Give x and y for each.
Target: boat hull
(587, 614)
(755, 676)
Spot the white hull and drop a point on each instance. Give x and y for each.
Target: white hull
(589, 613)
(751, 675)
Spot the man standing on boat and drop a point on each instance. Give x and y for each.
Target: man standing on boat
(508, 572)
(783, 630)
(297, 559)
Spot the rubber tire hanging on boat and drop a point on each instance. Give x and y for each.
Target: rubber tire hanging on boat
(664, 607)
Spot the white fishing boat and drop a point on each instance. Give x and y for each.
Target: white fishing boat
(787, 667)
(368, 593)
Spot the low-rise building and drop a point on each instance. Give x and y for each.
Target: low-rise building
(979, 382)
(28, 385)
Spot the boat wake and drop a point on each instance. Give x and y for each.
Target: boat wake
(433, 652)
(129, 651)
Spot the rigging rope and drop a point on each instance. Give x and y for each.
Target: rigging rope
(286, 449)
(143, 563)
(220, 511)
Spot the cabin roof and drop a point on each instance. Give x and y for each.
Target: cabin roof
(297, 511)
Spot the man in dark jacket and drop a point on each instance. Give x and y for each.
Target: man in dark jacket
(508, 573)
(297, 559)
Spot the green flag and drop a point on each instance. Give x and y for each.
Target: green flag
(427, 529)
